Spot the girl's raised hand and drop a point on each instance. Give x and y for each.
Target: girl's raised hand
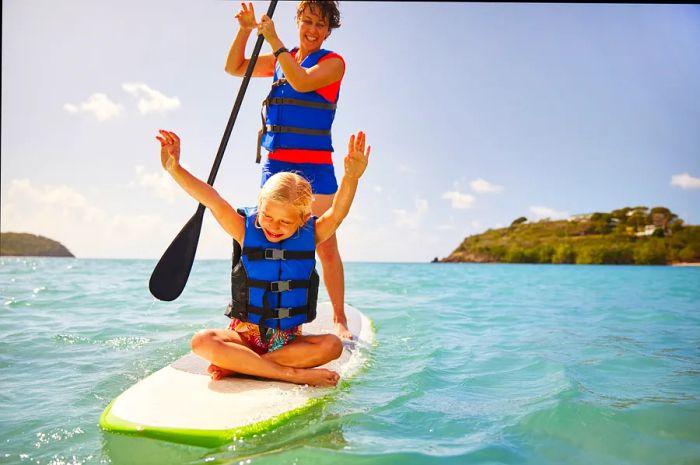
(357, 158)
(246, 17)
(169, 149)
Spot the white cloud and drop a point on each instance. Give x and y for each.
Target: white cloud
(214, 242)
(99, 105)
(404, 168)
(356, 215)
(411, 219)
(151, 100)
(159, 183)
(66, 215)
(459, 200)
(546, 212)
(390, 243)
(482, 186)
(685, 181)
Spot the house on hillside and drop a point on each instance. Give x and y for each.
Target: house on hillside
(647, 231)
(582, 217)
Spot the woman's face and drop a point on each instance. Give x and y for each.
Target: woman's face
(313, 29)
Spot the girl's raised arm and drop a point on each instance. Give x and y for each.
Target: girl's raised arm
(225, 214)
(355, 164)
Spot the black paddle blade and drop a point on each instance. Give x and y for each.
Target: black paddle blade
(170, 274)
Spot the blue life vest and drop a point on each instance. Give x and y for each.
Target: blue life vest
(296, 120)
(274, 284)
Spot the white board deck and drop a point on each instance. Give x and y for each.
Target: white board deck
(180, 403)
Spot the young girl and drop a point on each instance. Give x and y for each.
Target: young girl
(299, 113)
(282, 217)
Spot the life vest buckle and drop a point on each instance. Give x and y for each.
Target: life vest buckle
(280, 286)
(283, 312)
(274, 254)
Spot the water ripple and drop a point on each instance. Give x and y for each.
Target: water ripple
(118, 343)
(473, 364)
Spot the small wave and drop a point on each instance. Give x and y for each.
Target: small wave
(58, 460)
(127, 342)
(15, 302)
(71, 339)
(57, 435)
(648, 433)
(121, 343)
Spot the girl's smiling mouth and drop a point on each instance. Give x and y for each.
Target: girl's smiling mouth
(272, 235)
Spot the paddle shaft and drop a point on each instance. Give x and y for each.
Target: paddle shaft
(239, 100)
(170, 275)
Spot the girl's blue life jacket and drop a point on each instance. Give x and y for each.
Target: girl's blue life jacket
(274, 284)
(295, 120)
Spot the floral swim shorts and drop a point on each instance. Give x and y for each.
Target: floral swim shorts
(276, 338)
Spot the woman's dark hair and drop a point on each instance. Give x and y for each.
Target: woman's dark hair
(325, 9)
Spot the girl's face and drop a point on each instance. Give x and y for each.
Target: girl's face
(313, 29)
(278, 220)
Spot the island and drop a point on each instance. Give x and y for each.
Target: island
(626, 236)
(30, 245)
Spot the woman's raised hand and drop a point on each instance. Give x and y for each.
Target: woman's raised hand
(357, 158)
(169, 149)
(246, 17)
(266, 27)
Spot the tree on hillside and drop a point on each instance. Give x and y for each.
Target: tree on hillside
(662, 217)
(596, 238)
(638, 217)
(621, 214)
(518, 221)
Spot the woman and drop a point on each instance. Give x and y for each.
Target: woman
(298, 115)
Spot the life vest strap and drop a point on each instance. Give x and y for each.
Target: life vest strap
(299, 103)
(295, 130)
(265, 128)
(279, 82)
(279, 286)
(278, 313)
(254, 253)
(288, 129)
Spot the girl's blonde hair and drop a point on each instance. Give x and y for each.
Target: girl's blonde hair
(288, 188)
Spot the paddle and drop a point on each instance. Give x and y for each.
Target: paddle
(170, 274)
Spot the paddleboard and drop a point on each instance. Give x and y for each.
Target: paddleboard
(180, 403)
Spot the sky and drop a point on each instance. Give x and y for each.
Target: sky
(477, 113)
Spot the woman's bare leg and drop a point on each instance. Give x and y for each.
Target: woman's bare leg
(223, 349)
(333, 272)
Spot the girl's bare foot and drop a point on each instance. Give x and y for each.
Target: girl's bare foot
(315, 377)
(217, 372)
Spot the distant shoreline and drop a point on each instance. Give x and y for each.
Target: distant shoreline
(686, 264)
(31, 245)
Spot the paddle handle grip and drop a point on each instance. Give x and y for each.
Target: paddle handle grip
(239, 100)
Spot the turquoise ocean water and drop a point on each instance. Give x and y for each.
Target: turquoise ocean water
(474, 364)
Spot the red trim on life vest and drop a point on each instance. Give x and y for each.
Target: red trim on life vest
(329, 92)
(319, 157)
